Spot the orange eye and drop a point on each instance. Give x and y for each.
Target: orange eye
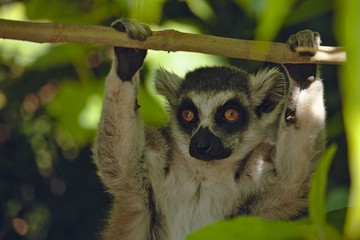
(188, 115)
(231, 115)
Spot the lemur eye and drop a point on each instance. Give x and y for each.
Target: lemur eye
(187, 115)
(231, 115)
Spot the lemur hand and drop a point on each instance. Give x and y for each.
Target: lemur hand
(129, 60)
(306, 43)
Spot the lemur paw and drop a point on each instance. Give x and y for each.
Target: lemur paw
(134, 29)
(305, 42)
(130, 60)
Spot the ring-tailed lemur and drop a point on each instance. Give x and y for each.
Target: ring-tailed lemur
(213, 159)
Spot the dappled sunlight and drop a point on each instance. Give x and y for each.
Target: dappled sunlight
(179, 62)
(25, 53)
(34, 225)
(90, 115)
(68, 145)
(20, 226)
(31, 103)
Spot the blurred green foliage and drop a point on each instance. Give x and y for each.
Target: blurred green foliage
(50, 102)
(348, 31)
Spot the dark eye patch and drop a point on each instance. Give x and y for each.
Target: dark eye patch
(232, 126)
(187, 105)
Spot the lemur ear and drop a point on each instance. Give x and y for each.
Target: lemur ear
(267, 90)
(167, 84)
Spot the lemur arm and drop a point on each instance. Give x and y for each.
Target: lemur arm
(120, 142)
(301, 135)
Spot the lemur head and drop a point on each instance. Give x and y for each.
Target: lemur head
(221, 112)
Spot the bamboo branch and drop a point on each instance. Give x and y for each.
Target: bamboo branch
(168, 40)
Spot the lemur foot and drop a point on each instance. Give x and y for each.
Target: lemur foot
(306, 43)
(130, 60)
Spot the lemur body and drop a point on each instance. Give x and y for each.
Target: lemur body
(213, 160)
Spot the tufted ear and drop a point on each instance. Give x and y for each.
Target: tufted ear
(267, 90)
(168, 85)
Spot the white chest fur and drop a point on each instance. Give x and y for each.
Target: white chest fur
(189, 199)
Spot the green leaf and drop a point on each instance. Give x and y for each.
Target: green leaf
(74, 109)
(308, 9)
(348, 30)
(62, 55)
(253, 228)
(337, 198)
(152, 112)
(73, 11)
(273, 17)
(318, 191)
(256, 228)
(69, 9)
(146, 11)
(336, 218)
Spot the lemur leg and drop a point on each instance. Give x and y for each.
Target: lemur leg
(301, 136)
(120, 140)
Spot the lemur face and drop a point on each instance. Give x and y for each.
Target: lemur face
(212, 122)
(215, 111)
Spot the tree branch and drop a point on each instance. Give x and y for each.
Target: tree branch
(168, 40)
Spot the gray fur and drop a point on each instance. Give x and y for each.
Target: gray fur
(168, 84)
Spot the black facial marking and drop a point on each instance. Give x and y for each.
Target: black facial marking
(204, 145)
(188, 127)
(234, 126)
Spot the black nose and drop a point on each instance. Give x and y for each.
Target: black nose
(204, 145)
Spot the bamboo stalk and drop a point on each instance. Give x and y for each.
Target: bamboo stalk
(168, 40)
